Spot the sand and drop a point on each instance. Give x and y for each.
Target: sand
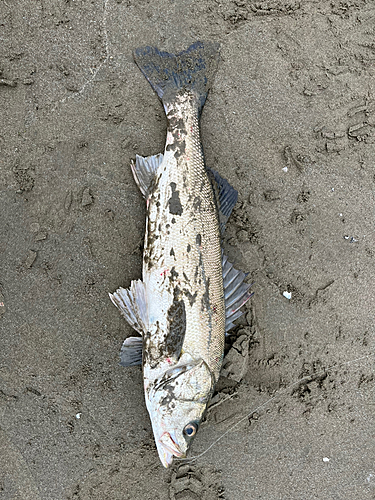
(290, 122)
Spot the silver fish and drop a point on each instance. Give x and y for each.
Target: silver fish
(190, 294)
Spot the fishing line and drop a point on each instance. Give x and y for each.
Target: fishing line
(278, 393)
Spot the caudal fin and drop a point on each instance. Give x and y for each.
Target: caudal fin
(190, 70)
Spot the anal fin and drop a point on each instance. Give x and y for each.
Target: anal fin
(131, 352)
(236, 292)
(144, 170)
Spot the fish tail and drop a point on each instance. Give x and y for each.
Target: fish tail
(190, 70)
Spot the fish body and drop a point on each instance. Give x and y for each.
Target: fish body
(182, 264)
(190, 294)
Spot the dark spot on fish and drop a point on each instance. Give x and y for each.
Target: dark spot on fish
(168, 387)
(174, 202)
(171, 147)
(145, 347)
(190, 296)
(153, 186)
(180, 150)
(196, 273)
(185, 276)
(177, 128)
(197, 203)
(158, 204)
(153, 349)
(167, 226)
(151, 238)
(176, 125)
(206, 297)
(188, 248)
(174, 273)
(173, 221)
(198, 239)
(176, 317)
(166, 400)
(159, 227)
(172, 252)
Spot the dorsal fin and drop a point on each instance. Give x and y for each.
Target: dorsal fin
(225, 195)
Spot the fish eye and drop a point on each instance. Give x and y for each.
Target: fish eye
(190, 429)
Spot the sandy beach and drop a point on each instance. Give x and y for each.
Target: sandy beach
(290, 123)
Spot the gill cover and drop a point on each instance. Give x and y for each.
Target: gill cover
(190, 381)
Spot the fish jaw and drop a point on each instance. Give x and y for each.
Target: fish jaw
(168, 449)
(170, 445)
(166, 458)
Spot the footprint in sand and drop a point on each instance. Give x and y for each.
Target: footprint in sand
(190, 482)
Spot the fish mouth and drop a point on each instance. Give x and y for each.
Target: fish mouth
(168, 448)
(170, 445)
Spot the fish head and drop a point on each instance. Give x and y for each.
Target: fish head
(176, 403)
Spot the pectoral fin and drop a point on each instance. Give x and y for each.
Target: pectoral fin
(236, 292)
(133, 305)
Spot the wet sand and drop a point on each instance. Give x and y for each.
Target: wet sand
(290, 122)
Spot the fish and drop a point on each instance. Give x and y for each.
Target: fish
(190, 294)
